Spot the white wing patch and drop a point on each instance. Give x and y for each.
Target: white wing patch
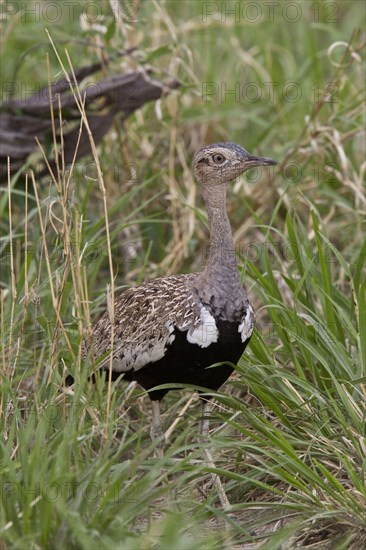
(205, 332)
(246, 326)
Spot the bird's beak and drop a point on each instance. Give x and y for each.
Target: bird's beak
(259, 161)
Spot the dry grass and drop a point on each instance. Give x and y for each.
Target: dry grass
(288, 430)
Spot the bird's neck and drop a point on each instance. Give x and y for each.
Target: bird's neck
(221, 257)
(219, 284)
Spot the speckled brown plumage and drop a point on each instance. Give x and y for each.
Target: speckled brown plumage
(142, 317)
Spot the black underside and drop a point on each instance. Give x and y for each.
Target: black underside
(186, 363)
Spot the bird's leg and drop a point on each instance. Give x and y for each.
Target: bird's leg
(205, 421)
(156, 430)
(204, 431)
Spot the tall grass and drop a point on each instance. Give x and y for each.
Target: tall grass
(288, 430)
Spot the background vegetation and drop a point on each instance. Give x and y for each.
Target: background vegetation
(77, 466)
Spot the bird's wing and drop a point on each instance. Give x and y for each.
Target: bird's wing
(146, 317)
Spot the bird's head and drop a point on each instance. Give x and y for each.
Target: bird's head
(222, 162)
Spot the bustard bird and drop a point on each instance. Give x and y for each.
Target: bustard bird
(171, 329)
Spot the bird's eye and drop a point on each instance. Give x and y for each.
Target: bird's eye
(219, 159)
